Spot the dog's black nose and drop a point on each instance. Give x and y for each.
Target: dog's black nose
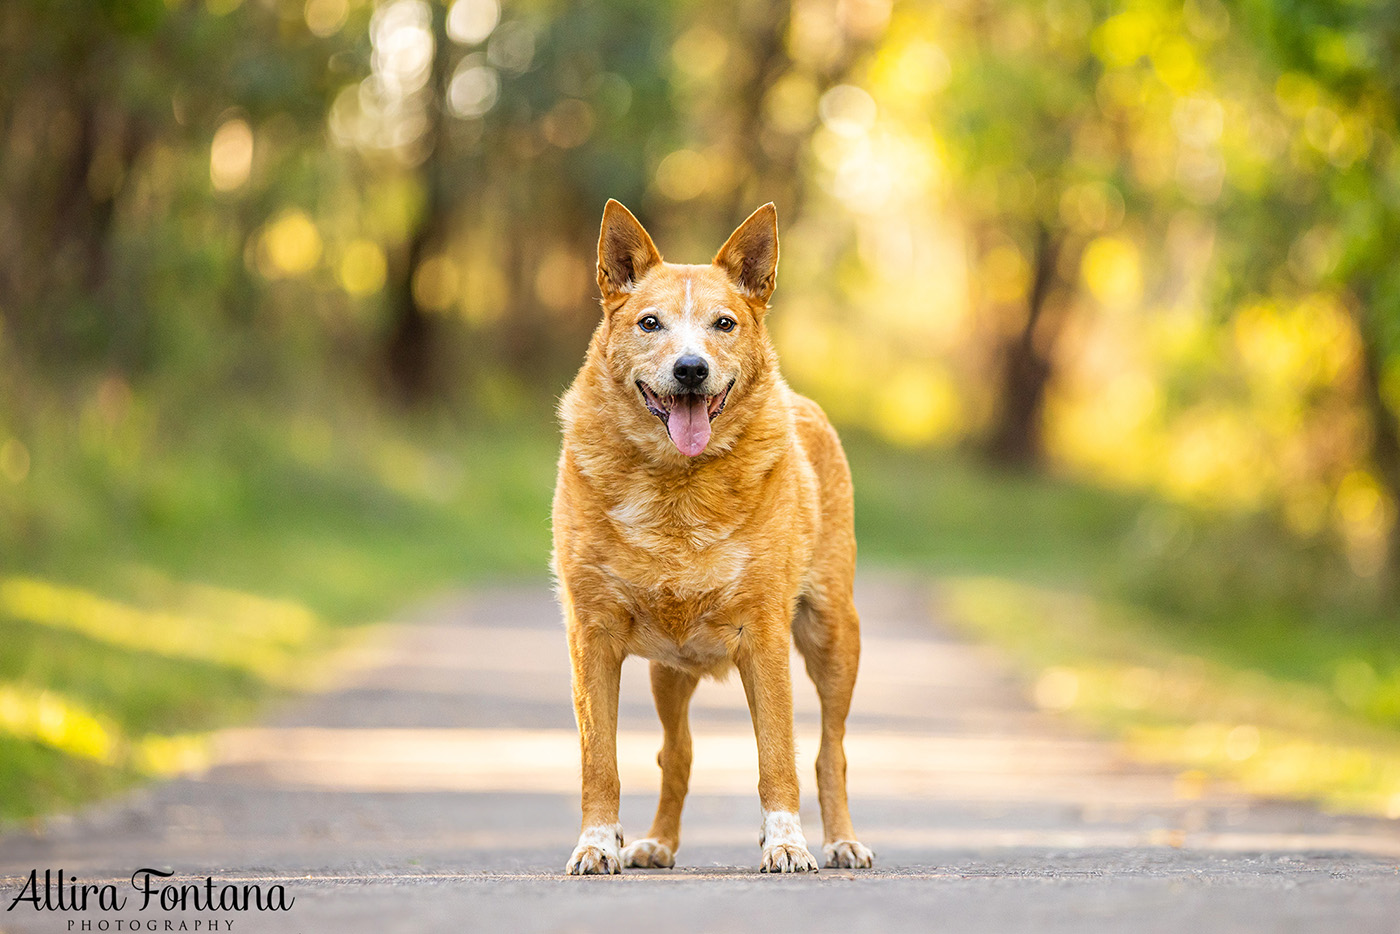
(691, 371)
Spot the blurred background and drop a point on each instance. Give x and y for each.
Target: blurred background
(1103, 296)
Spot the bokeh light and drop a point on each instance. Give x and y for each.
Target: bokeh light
(471, 22)
(231, 155)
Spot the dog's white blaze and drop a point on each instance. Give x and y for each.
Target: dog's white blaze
(691, 336)
(781, 828)
(690, 333)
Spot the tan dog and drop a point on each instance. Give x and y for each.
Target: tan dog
(703, 520)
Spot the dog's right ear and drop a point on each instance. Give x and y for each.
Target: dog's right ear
(625, 251)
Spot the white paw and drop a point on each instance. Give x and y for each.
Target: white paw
(784, 846)
(781, 857)
(599, 851)
(848, 854)
(648, 854)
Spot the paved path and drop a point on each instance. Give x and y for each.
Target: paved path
(434, 788)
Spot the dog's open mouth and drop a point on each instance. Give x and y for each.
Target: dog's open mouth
(687, 416)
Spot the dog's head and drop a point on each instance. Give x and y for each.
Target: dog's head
(684, 341)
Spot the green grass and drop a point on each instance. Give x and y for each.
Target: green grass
(163, 576)
(941, 511)
(1213, 643)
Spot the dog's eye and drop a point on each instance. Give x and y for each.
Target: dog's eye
(649, 323)
(725, 324)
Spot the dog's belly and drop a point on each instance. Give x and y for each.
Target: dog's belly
(702, 652)
(695, 634)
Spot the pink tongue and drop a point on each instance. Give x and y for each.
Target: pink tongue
(689, 424)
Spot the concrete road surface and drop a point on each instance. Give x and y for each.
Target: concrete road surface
(434, 787)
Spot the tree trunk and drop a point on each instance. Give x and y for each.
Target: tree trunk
(775, 169)
(1385, 434)
(410, 352)
(1017, 437)
(763, 26)
(409, 355)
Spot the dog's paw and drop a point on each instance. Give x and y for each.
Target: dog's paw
(784, 857)
(848, 854)
(784, 846)
(648, 854)
(599, 852)
(591, 860)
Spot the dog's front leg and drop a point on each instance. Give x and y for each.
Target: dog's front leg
(597, 669)
(762, 661)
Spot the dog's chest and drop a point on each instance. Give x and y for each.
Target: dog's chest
(683, 612)
(687, 545)
(679, 569)
(680, 525)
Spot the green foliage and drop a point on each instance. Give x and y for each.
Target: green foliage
(167, 573)
(940, 511)
(1219, 645)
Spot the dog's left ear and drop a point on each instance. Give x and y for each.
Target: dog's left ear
(750, 255)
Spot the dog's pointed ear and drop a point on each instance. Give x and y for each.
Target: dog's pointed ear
(750, 255)
(625, 251)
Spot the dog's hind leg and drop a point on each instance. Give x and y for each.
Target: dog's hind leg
(829, 640)
(672, 690)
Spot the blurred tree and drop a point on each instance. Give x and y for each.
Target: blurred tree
(71, 142)
(1039, 168)
(111, 110)
(749, 76)
(577, 127)
(411, 357)
(1320, 212)
(515, 125)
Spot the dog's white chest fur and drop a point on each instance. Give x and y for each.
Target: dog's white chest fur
(662, 522)
(675, 549)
